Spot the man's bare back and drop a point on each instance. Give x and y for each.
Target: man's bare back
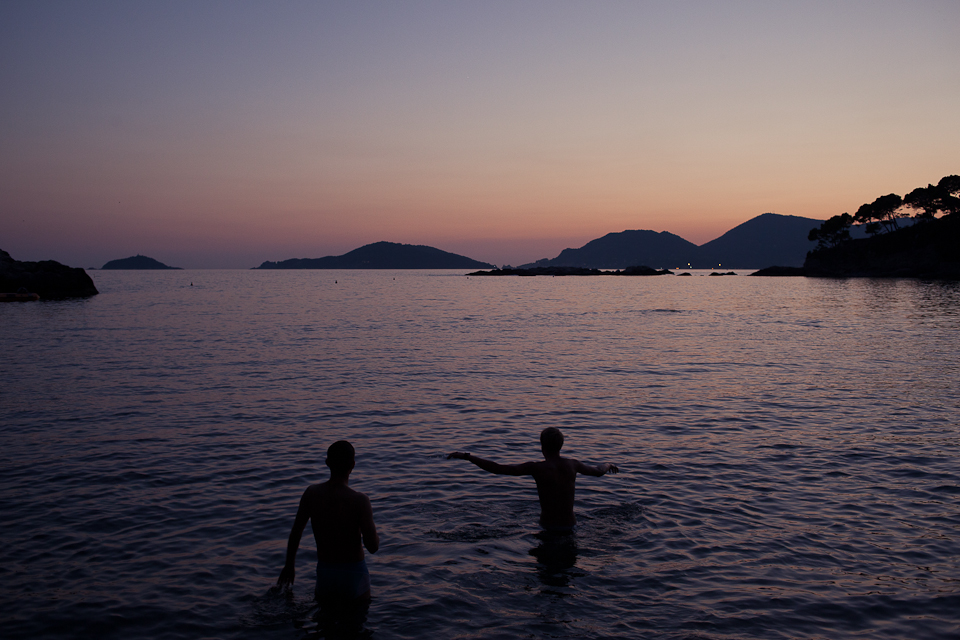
(338, 515)
(342, 521)
(555, 476)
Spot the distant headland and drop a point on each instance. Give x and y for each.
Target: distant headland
(47, 278)
(136, 262)
(906, 238)
(917, 235)
(384, 255)
(928, 249)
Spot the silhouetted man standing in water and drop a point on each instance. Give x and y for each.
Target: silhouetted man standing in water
(341, 519)
(556, 478)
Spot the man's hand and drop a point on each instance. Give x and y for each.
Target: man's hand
(607, 467)
(286, 576)
(456, 455)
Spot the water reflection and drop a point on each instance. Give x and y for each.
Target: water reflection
(556, 555)
(339, 618)
(795, 450)
(316, 617)
(938, 300)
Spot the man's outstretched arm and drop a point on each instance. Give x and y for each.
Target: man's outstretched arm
(524, 469)
(288, 573)
(597, 471)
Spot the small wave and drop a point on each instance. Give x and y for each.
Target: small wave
(623, 512)
(474, 533)
(277, 606)
(947, 488)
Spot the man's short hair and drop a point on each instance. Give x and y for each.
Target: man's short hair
(551, 440)
(340, 456)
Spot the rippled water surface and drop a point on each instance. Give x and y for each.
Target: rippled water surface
(788, 446)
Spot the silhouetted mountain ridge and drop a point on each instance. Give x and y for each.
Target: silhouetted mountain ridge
(384, 255)
(622, 250)
(768, 239)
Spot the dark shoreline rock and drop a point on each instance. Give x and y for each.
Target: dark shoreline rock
(48, 278)
(572, 271)
(781, 272)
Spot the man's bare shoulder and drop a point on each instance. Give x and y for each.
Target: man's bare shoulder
(554, 465)
(531, 467)
(359, 498)
(327, 491)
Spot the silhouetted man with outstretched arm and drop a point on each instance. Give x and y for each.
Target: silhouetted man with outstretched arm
(341, 519)
(556, 478)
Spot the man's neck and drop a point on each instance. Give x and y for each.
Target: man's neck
(339, 480)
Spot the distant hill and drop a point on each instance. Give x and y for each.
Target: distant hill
(626, 249)
(384, 255)
(768, 239)
(136, 262)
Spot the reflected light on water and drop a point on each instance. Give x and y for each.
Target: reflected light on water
(787, 449)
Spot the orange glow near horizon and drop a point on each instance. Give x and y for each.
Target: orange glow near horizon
(342, 128)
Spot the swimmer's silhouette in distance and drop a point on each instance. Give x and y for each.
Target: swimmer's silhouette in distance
(555, 476)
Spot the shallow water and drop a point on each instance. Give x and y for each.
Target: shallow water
(788, 450)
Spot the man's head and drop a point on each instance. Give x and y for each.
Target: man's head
(340, 457)
(551, 440)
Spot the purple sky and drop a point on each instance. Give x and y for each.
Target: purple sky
(209, 134)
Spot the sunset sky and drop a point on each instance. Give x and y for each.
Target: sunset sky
(223, 134)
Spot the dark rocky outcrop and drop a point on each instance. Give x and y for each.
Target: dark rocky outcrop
(928, 249)
(49, 279)
(541, 271)
(780, 271)
(643, 271)
(384, 255)
(136, 262)
(571, 271)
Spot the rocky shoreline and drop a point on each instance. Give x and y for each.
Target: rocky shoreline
(572, 271)
(47, 278)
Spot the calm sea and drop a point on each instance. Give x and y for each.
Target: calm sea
(788, 446)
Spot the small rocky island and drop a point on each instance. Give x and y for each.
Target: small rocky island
(47, 278)
(572, 271)
(136, 262)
